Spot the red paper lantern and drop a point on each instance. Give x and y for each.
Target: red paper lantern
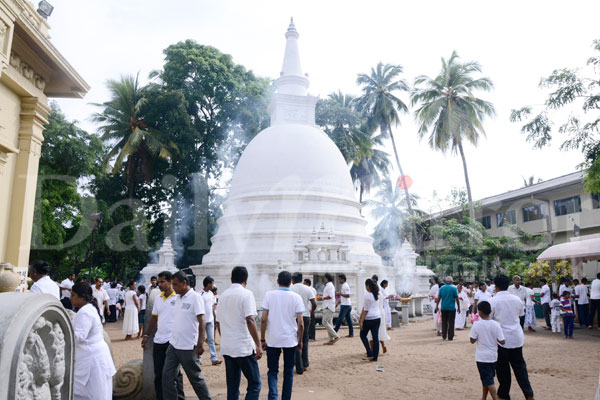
(405, 182)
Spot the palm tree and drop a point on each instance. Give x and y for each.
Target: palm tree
(370, 163)
(132, 141)
(448, 110)
(531, 181)
(381, 106)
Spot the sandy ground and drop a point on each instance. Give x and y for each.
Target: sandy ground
(418, 365)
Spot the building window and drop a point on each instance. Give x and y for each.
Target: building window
(533, 213)
(566, 206)
(509, 217)
(486, 222)
(596, 200)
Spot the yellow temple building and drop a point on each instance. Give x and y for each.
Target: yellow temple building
(31, 71)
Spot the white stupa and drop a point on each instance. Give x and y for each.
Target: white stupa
(166, 262)
(292, 203)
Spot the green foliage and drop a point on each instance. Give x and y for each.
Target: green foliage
(541, 269)
(579, 94)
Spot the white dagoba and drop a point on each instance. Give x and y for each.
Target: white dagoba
(166, 262)
(292, 203)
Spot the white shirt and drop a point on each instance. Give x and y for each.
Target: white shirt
(371, 306)
(506, 310)
(545, 293)
(185, 320)
(46, 285)
(582, 292)
(595, 290)
(306, 294)
(142, 298)
(314, 293)
(482, 296)
(235, 304)
(564, 288)
(283, 306)
(487, 333)
(113, 294)
(209, 302)
(491, 290)
(100, 296)
(520, 292)
(67, 283)
(345, 301)
(164, 310)
(329, 290)
(433, 292)
(528, 301)
(106, 286)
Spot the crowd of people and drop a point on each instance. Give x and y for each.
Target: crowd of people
(184, 319)
(500, 312)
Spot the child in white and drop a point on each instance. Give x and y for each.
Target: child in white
(487, 334)
(555, 313)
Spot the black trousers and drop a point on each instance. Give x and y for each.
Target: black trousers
(448, 317)
(522, 321)
(159, 354)
(302, 356)
(594, 309)
(66, 302)
(547, 312)
(507, 359)
(312, 329)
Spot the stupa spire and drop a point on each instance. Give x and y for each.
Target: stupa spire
(292, 80)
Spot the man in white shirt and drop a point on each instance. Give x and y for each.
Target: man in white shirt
(65, 291)
(583, 301)
(329, 308)
(313, 322)
(240, 346)
(507, 309)
(38, 272)
(310, 304)
(163, 311)
(345, 306)
(101, 298)
(209, 318)
(516, 289)
(106, 284)
(491, 288)
(595, 301)
(282, 319)
(433, 294)
(187, 340)
(545, 297)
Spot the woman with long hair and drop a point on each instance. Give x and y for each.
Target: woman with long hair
(132, 308)
(370, 320)
(94, 366)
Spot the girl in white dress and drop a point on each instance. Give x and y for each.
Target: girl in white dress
(132, 308)
(94, 367)
(383, 335)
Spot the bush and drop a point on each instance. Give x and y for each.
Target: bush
(541, 269)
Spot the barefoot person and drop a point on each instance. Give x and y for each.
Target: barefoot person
(187, 341)
(383, 335)
(370, 320)
(163, 311)
(240, 345)
(132, 308)
(102, 298)
(450, 305)
(329, 309)
(310, 304)
(94, 367)
(345, 306)
(282, 320)
(209, 317)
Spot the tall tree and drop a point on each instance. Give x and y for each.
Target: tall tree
(370, 164)
(449, 112)
(132, 141)
(380, 104)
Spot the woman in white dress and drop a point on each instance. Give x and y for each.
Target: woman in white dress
(460, 321)
(94, 367)
(386, 305)
(132, 308)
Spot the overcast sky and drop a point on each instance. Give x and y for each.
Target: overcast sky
(516, 42)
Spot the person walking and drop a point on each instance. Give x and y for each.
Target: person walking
(313, 322)
(545, 298)
(143, 299)
(187, 341)
(566, 310)
(520, 291)
(583, 304)
(94, 367)
(209, 317)
(387, 318)
(433, 294)
(595, 301)
(460, 320)
(282, 320)
(450, 305)
(345, 306)
(101, 298)
(507, 310)
(38, 272)
(310, 304)
(530, 302)
(370, 320)
(132, 308)
(240, 346)
(163, 311)
(65, 291)
(113, 294)
(329, 309)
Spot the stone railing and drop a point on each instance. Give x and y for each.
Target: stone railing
(36, 348)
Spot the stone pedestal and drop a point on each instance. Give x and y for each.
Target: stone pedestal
(36, 348)
(405, 308)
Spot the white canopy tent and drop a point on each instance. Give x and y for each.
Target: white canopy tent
(577, 250)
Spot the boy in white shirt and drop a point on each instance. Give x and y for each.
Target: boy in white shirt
(555, 310)
(487, 334)
(583, 302)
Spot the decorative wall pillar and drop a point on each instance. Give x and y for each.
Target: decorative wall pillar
(33, 118)
(36, 348)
